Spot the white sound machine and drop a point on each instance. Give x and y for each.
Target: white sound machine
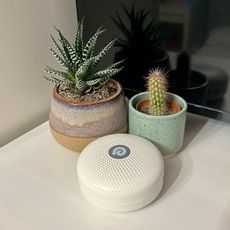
(120, 172)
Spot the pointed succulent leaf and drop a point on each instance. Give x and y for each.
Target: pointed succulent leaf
(59, 49)
(101, 54)
(81, 73)
(85, 69)
(93, 82)
(64, 49)
(114, 71)
(66, 58)
(58, 58)
(78, 63)
(114, 65)
(62, 81)
(109, 72)
(55, 72)
(78, 44)
(70, 52)
(59, 73)
(80, 85)
(90, 45)
(56, 80)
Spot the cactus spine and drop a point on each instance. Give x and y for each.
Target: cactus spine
(157, 86)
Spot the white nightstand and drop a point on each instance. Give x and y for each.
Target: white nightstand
(39, 185)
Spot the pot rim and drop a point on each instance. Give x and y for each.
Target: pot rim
(148, 116)
(204, 84)
(168, 101)
(72, 102)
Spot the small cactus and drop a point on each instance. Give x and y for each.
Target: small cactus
(157, 86)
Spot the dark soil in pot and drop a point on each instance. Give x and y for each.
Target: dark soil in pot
(97, 94)
(172, 107)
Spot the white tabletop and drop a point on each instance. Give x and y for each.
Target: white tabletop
(39, 188)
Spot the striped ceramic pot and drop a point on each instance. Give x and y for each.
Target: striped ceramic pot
(76, 124)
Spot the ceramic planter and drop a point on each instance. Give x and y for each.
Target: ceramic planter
(74, 125)
(166, 132)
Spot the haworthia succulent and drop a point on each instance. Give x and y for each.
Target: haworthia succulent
(80, 62)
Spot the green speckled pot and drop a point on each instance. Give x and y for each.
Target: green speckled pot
(166, 132)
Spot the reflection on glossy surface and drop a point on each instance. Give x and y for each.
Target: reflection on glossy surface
(140, 45)
(200, 27)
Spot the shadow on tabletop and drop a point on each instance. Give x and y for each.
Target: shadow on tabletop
(178, 168)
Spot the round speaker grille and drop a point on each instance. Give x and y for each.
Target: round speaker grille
(120, 172)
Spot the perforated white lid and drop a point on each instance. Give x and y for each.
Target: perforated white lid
(120, 169)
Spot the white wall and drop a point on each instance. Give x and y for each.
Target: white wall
(25, 27)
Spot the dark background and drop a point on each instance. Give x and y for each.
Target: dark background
(199, 27)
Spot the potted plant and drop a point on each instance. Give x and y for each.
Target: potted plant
(140, 46)
(158, 115)
(189, 84)
(86, 102)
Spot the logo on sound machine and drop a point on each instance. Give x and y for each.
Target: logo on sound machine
(119, 151)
